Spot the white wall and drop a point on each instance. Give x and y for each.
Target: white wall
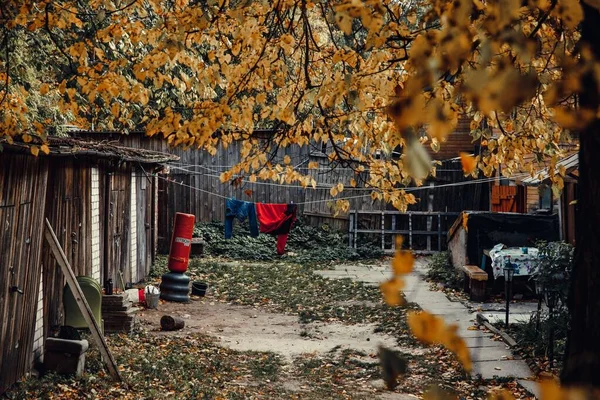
(96, 225)
(133, 230)
(38, 336)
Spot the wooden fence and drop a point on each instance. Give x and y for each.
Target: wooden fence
(423, 231)
(192, 186)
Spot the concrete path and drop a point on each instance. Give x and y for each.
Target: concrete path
(491, 358)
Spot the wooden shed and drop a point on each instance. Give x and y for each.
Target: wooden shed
(567, 200)
(102, 206)
(473, 232)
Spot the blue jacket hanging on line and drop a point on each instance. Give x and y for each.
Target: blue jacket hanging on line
(240, 210)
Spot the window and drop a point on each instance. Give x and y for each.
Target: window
(545, 197)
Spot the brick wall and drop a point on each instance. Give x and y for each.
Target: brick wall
(96, 225)
(38, 335)
(133, 230)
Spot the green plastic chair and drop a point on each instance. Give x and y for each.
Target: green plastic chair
(93, 294)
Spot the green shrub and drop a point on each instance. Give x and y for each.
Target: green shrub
(535, 340)
(442, 270)
(554, 267)
(306, 244)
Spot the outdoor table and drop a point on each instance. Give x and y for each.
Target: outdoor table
(523, 260)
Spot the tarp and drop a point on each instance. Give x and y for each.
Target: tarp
(487, 229)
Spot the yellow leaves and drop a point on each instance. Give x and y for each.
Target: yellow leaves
(44, 89)
(27, 138)
(287, 43)
(501, 395)
(570, 12)
(412, 17)
(403, 262)
(432, 329)
(261, 98)
(391, 291)
(487, 87)
(593, 3)
(313, 165)
(34, 150)
(573, 119)
(335, 190)
(287, 159)
(225, 176)
(45, 149)
(341, 206)
(407, 111)
(551, 390)
(468, 162)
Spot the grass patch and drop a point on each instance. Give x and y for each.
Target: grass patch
(164, 367)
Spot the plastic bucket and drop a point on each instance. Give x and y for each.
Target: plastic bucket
(152, 300)
(199, 288)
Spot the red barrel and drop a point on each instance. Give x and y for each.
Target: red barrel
(181, 242)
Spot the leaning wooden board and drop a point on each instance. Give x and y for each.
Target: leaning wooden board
(84, 307)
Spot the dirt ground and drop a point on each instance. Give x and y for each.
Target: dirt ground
(246, 328)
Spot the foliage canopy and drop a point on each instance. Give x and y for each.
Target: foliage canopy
(367, 77)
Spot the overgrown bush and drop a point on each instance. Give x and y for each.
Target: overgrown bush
(554, 267)
(534, 340)
(553, 272)
(306, 244)
(442, 270)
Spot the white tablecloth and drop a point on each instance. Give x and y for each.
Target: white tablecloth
(524, 263)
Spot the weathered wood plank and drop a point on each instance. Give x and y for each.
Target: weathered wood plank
(82, 303)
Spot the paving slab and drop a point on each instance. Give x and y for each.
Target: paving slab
(489, 354)
(531, 386)
(490, 358)
(501, 369)
(495, 317)
(485, 341)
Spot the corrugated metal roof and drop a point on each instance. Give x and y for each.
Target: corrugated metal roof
(570, 163)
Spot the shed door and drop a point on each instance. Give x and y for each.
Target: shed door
(144, 225)
(118, 228)
(16, 305)
(508, 199)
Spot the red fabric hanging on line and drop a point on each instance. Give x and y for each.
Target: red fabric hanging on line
(277, 219)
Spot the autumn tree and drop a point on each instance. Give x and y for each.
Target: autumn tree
(366, 77)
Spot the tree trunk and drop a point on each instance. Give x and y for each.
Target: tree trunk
(582, 357)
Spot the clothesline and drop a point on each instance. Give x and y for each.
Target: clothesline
(187, 167)
(328, 187)
(475, 181)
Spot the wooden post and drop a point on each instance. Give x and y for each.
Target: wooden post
(560, 217)
(350, 229)
(393, 229)
(439, 231)
(355, 226)
(84, 307)
(429, 217)
(410, 243)
(383, 230)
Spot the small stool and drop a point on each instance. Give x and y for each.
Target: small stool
(65, 356)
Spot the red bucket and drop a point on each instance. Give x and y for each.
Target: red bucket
(181, 242)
